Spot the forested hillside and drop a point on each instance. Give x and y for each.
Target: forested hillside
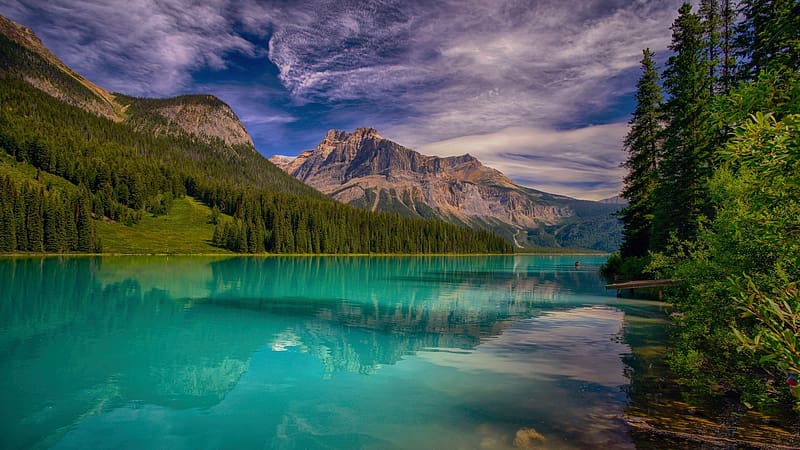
(86, 166)
(714, 195)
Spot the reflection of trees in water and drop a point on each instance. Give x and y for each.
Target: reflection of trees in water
(675, 410)
(73, 348)
(30, 286)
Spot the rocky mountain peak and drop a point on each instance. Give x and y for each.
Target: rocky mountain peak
(366, 133)
(366, 170)
(335, 136)
(354, 139)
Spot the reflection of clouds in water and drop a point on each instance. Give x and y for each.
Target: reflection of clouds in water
(287, 340)
(580, 344)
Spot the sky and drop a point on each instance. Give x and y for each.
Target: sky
(541, 90)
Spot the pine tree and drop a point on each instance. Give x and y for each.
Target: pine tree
(727, 18)
(83, 223)
(33, 219)
(8, 233)
(681, 193)
(642, 163)
(710, 15)
(769, 36)
(70, 227)
(20, 226)
(52, 227)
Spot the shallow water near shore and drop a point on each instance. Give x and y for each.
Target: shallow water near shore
(313, 352)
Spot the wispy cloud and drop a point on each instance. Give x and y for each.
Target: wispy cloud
(140, 47)
(471, 66)
(582, 163)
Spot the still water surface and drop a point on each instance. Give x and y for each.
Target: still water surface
(310, 352)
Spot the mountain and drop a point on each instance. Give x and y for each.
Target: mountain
(82, 169)
(366, 170)
(201, 116)
(615, 200)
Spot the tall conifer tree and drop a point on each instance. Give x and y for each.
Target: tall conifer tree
(685, 158)
(727, 18)
(642, 163)
(710, 15)
(83, 222)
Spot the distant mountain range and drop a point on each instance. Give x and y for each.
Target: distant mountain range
(366, 170)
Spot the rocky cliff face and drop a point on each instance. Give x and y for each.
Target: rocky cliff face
(204, 116)
(364, 169)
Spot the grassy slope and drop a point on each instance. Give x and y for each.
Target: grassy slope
(184, 230)
(21, 172)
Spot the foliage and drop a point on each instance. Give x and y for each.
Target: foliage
(34, 218)
(727, 211)
(642, 163)
(769, 36)
(741, 272)
(777, 336)
(681, 196)
(764, 156)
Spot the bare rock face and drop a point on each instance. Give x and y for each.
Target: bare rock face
(364, 169)
(205, 116)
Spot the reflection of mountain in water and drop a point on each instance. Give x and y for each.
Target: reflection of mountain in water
(135, 340)
(360, 313)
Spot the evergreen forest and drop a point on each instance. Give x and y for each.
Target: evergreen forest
(713, 187)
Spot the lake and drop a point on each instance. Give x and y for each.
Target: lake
(311, 352)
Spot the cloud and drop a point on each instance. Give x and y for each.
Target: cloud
(582, 163)
(140, 47)
(470, 66)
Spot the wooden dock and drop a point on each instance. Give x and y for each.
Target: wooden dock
(639, 284)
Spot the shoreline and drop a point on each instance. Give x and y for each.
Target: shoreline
(532, 253)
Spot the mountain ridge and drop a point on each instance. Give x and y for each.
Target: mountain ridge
(203, 116)
(25, 37)
(366, 170)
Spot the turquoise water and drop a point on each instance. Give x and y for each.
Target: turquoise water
(310, 352)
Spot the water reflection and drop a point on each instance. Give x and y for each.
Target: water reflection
(85, 340)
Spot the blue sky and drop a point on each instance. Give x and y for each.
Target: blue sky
(540, 90)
